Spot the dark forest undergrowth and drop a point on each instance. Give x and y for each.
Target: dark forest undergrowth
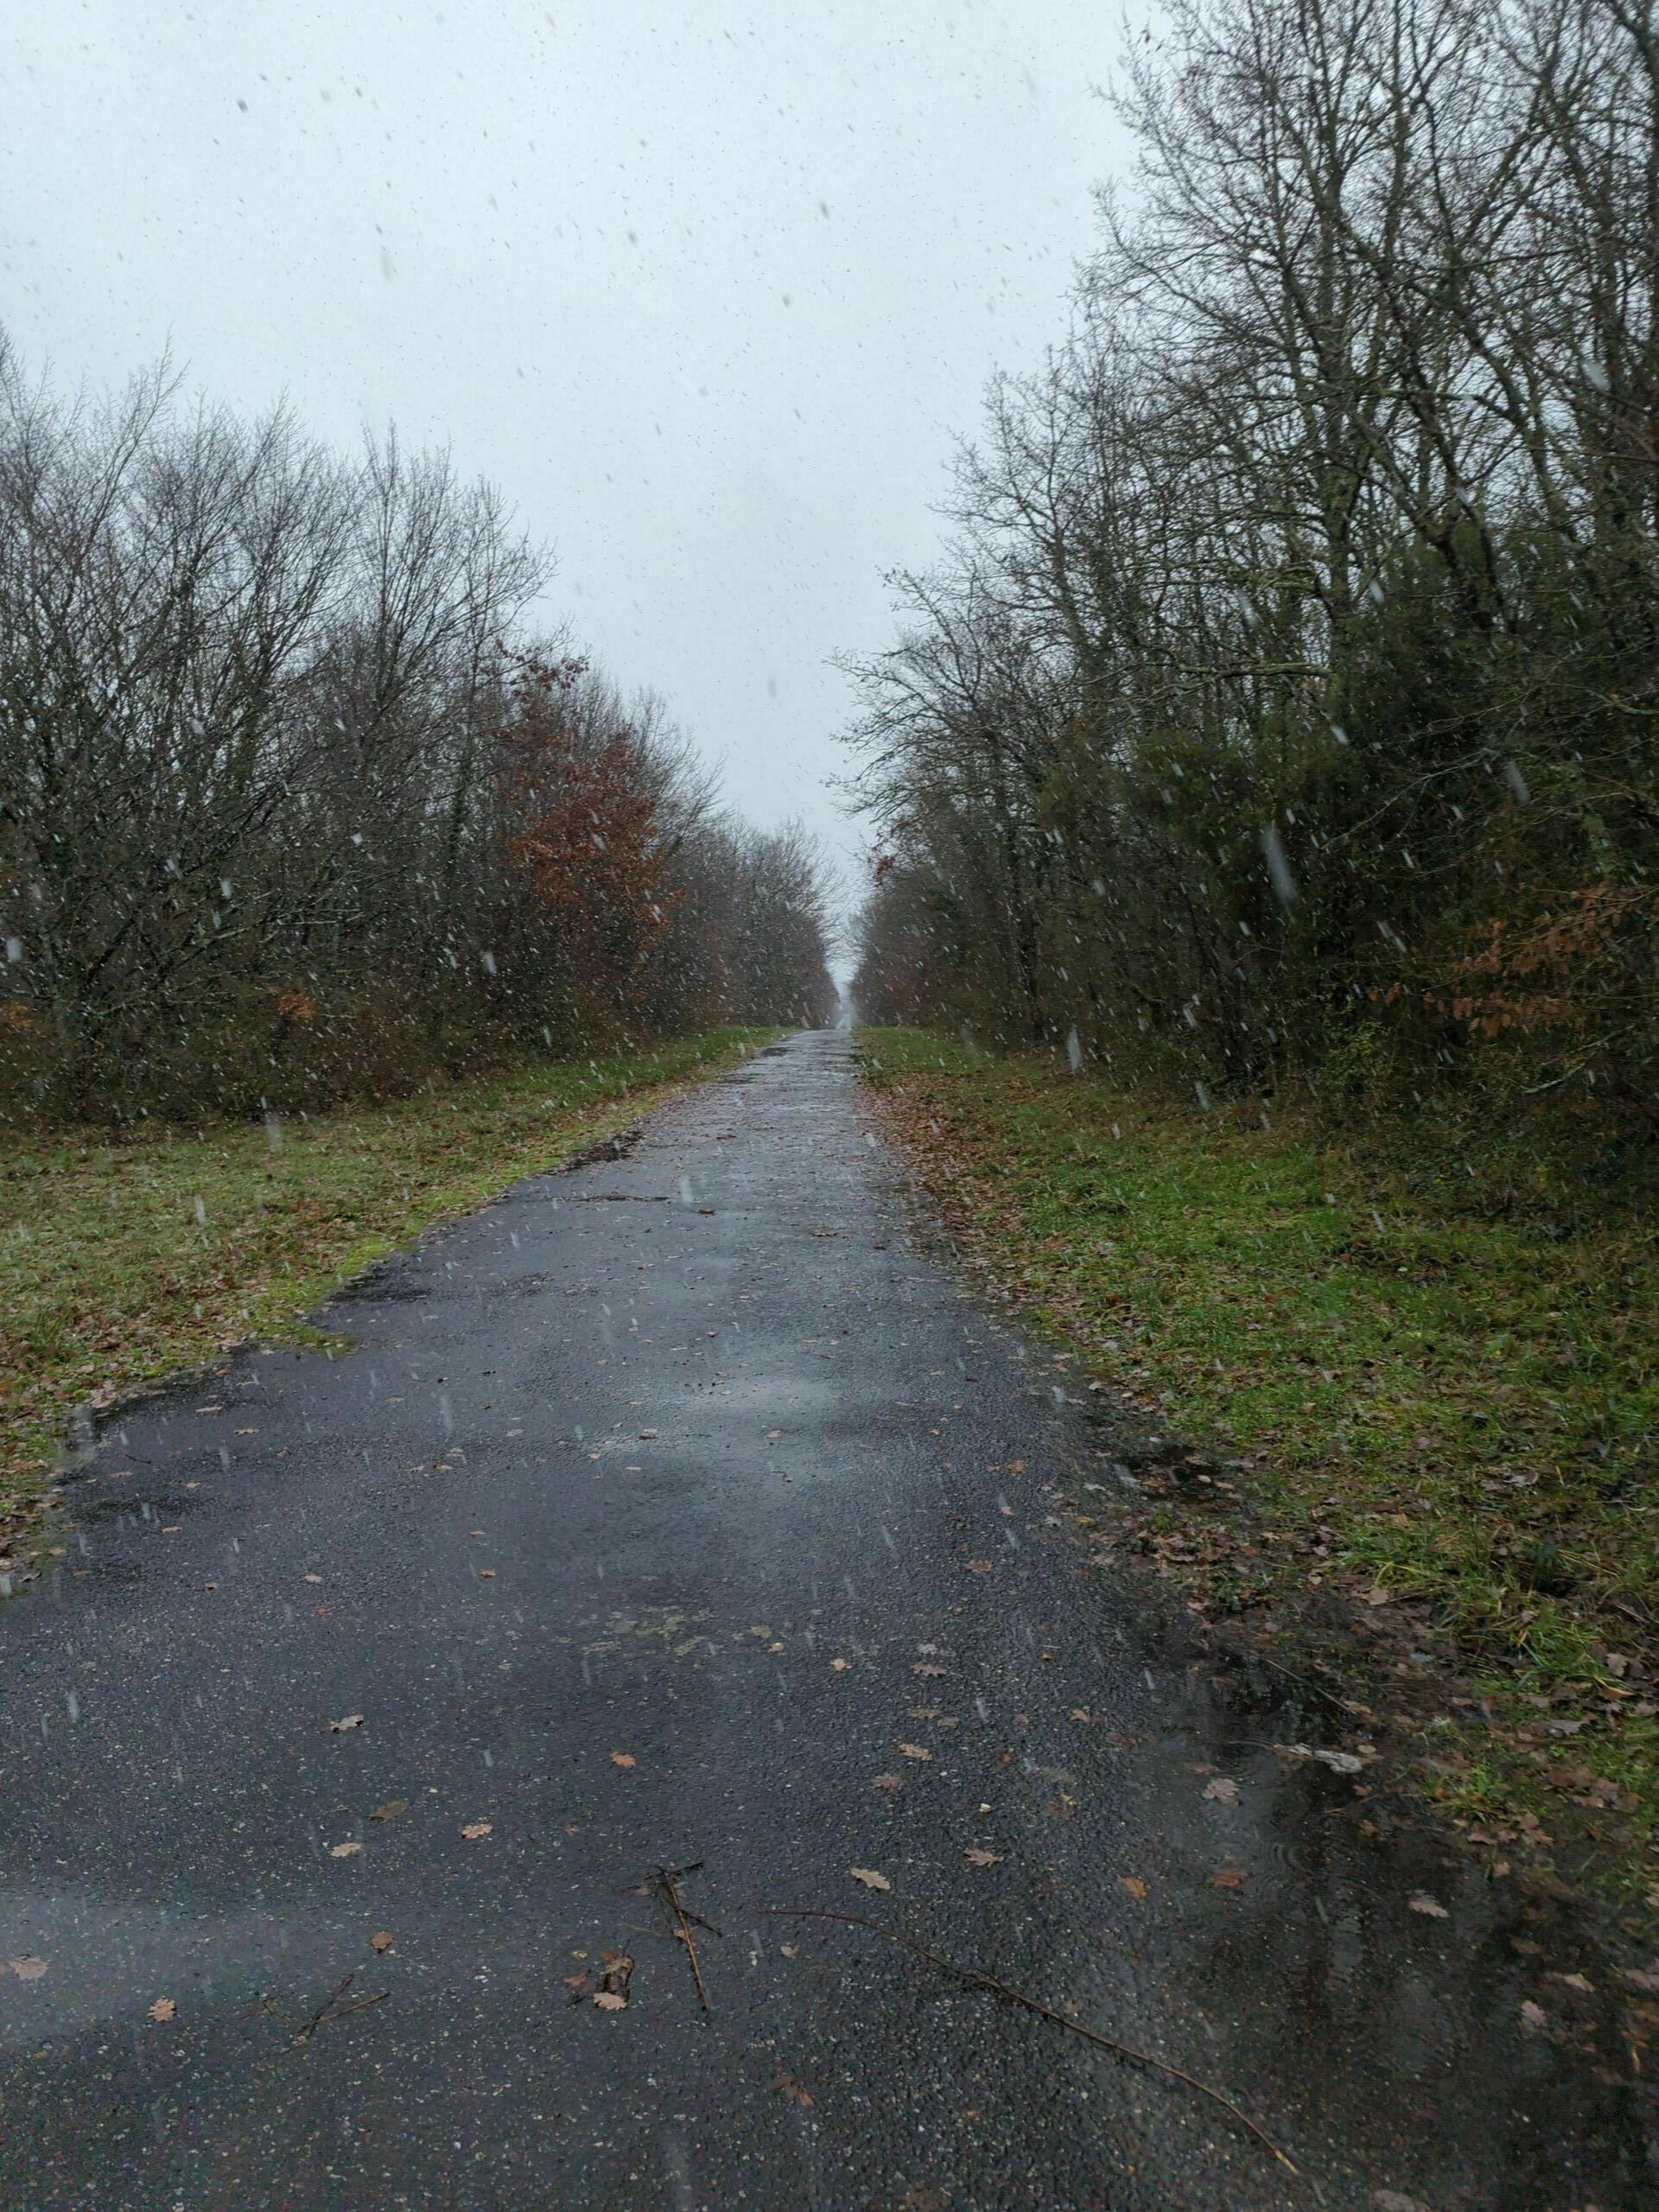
(1416, 1399)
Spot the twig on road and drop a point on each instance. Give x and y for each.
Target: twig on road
(666, 1878)
(977, 1980)
(332, 2009)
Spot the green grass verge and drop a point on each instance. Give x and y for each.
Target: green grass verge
(1434, 1408)
(122, 1262)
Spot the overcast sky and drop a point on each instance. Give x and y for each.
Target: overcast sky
(706, 289)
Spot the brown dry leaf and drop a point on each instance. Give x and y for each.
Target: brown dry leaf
(926, 1668)
(162, 2011)
(391, 1809)
(381, 1942)
(1078, 1713)
(790, 1950)
(888, 1782)
(486, 1574)
(612, 1995)
(915, 1752)
(979, 1566)
(1133, 1885)
(344, 1850)
(622, 1758)
(838, 1666)
(983, 1857)
(476, 1829)
(1431, 1907)
(787, 2086)
(1581, 1982)
(1533, 2016)
(27, 1968)
(870, 1879)
(1229, 1877)
(352, 1720)
(1223, 1790)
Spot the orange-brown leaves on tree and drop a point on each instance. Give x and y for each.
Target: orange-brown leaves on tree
(587, 840)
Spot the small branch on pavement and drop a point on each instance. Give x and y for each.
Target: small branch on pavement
(666, 1880)
(332, 2009)
(976, 1980)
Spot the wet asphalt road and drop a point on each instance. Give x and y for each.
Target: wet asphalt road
(698, 1457)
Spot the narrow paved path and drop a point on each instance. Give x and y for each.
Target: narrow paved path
(681, 1509)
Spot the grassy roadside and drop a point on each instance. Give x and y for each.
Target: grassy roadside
(122, 1262)
(1428, 1412)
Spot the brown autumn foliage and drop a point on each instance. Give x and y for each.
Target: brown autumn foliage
(589, 843)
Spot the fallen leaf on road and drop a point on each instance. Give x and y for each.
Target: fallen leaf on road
(1429, 1907)
(474, 1829)
(352, 1720)
(622, 1758)
(838, 1666)
(27, 1968)
(1533, 2016)
(983, 1858)
(1078, 1713)
(162, 2011)
(888, 1782)
(925, 1667)
(1644, 1977)
(1132, 1883)
(870, 1879)
(1229, 1877)
(344, 1850)
(612, 1995)
(979, 1566)
(391, 1809)
(789, 1950)
(787, 2086)
(310, 1577)
(486, 1574)
(380, 1942)
(1582, 1983)
(1223, 1790)
(914, 1751)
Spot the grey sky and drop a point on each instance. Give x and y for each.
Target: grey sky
(706, 289)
